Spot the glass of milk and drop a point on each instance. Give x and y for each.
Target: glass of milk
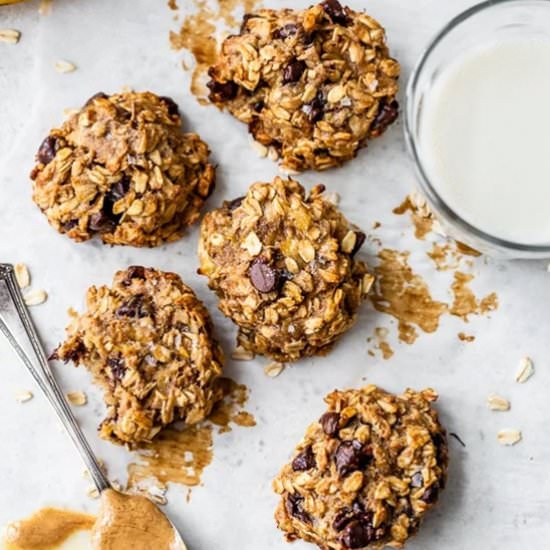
(478, 127)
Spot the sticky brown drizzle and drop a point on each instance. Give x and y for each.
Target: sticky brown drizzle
(197, 34)
(423, 224)
(180, 456)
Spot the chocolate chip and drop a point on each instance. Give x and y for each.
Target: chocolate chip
(295, 507)
(330, 423)
(293, 71)
(136, 307)
(430, 494)
(235, 203)
(387, 114)
(222, 91)
(315, 109)
(358, 533)
(359, 241)
(304, 461)
(118, 190)
(74, 354)
(264, 277)
(47, 150)
(258, 106)
(289, 29)
(171, 105)
(67, 226)
(117, 366)
(99, 95)
(341, 519)
(351, 456)
(336, 12)
(134, 272)
(417, 480)
(101, 223)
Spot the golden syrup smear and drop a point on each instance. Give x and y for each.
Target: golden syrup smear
(199, 34)
(181, 456)
(47, 529)
(406, 296)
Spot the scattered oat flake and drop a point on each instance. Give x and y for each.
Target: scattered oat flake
(261, 150)
(333, 198)
(10, 36)
(77, 398)
(509, 437)
(92, 492)
(241, 354)
(35, 297)
(497, 403)
(526, 370)
(24, 396)
(62, 66)
(274, 369)
(22, 275)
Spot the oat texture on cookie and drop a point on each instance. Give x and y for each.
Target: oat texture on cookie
(123, 169)
(313, 85)
(148, 342)
(284, 267)
(366, 472)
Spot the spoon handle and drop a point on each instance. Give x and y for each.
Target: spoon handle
(16, 324)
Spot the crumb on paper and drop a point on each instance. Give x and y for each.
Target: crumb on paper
(526, 370)
(274, 369)
(509, 437)
(63, 66)
(23, 396)
(10, 36)
(77, 398)
(498, 403)
(35, 297)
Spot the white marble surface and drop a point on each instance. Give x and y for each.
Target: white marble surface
(497, 498)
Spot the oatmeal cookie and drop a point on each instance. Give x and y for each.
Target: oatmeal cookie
(121, 167)
(313, 85)
(283, 265)
(148, 343)
(366, 472)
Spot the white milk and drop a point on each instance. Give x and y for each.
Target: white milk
(485, 138)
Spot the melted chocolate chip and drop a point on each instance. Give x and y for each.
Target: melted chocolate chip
(387, 114)
(351, 456)
(359, 241)
(430, 494)
(101, 223)
(336, 12)
(315, 109)
(289, 29)
(137, 307)
(117, 366)
(263, 276)
(295, 507)
(99, 95)
(235, 203)
(47, 150)
(258, 106)
(74, 354)
(67, 226)
(222, 91)
(293, 71)
(171, 105)
(134, 272)
(417, 480)
(330, 423)
(304, 461)
(358, 533)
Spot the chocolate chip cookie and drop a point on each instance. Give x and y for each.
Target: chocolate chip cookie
(284, 267)
(312, 85)
(122, 168)
(148, 343)
(366, 472)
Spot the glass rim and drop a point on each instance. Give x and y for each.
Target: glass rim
(411, 141)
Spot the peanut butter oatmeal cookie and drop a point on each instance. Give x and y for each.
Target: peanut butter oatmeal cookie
(148, 343)
(121, 167)
(283, 265)
(314, 85)
(366, 472)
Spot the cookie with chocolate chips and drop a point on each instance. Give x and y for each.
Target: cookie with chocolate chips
(122, 168)
(366, 473)
(313, 85)
(148, 342)
(284, 267)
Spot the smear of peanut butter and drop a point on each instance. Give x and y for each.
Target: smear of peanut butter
(444, 256)
(465, 302)
(198, 34)
(404, 295)
(462, 336)
(422, 219)
(181, 456)
(47, 529)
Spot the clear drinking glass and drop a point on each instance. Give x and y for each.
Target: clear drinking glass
(479, 26)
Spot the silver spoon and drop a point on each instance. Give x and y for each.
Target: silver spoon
(16, 324)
